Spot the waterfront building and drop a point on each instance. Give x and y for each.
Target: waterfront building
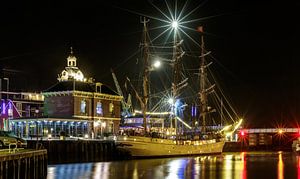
(74, 106)
(19, 105)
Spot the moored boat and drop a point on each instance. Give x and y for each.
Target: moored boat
(143, 147)
(173, 141)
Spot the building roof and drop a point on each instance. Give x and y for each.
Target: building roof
(71, 71)
(79, 86)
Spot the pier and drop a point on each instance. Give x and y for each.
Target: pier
(264, 139)
(72, 151)
(23, 164)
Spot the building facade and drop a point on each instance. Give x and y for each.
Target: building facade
(74, 107)
(15, 105)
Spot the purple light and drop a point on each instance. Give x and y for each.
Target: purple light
(10, 110)
(3, 107)
(194, 111)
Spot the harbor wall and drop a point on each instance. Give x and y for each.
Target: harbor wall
(74, 151)
(261, 142)
(24, 164)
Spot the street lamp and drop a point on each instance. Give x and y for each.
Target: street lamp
(7, 86)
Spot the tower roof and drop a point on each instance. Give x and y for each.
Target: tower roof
(71, 71)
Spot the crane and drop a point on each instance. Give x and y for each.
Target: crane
(126, 106)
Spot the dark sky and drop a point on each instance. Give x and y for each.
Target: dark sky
(256, 43)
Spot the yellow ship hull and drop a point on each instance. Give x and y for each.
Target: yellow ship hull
(154, 147)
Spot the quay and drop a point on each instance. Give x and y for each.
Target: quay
(23, 163)
(264, 139)
(74, 151)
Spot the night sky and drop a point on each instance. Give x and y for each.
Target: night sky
(255, 43)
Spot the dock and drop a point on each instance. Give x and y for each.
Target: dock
(23, 163)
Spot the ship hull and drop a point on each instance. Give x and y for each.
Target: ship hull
(143, 147)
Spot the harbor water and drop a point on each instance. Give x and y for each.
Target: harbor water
(227, 165)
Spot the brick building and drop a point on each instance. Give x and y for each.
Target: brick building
(75, 106)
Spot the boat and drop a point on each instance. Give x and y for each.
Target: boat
(296, 146)
(174, 141)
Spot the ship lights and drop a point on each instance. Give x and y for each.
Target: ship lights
(171, 101)
(156, 64)
(242, 133)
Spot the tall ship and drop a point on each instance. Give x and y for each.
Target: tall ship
(166, 132)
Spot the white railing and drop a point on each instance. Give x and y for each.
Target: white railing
(272, 130)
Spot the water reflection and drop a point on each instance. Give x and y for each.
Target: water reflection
(280, 167)
(229, 165)
(244, 166)
(298, 167)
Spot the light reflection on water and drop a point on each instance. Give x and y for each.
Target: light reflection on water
(228, 165)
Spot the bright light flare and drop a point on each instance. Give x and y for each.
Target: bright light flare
(171, 101)
(280, 131)
(157, 64)
(174, 24)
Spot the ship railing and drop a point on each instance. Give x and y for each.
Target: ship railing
(165, 141)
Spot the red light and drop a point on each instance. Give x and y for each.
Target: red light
(242, 133)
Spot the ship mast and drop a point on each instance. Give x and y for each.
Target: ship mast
(177, 83)
(204, 89)
(146, 71)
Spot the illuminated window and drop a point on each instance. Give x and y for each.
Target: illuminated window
(10, 110)
(111, 107)
(83, 106)
(99, 110)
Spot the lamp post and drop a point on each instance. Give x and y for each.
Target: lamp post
(36, 111)
(103, 125)
(7, 86)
